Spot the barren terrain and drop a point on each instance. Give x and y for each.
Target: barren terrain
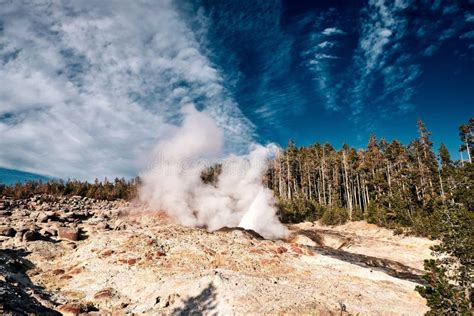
(77, 255)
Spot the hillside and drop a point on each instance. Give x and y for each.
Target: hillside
(78, 255)
(10, 176)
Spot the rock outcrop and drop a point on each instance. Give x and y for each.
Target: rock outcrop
(82, 256)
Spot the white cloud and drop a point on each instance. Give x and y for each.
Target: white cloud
(91, 85)
(385, 33)
(450, 9)
(402, 4)
(326, 44)
(430, 50)
(469, 35)
(399, 79)
(318, 57)
(447, 34)
(376, 33)
(469, 17)
(321, 59)
(377, 27)
(333, 31)
(386, 50)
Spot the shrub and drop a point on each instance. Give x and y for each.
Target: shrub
(450, 277)
(298, 210)
(357, 214)
(334, 216)
(375, 214)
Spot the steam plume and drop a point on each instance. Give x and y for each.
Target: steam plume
(173, 184)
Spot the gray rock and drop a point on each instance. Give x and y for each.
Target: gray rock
(42, 217)
(49, 231)
(7, 231)
(66, 216)
(102, 225)
(31, 235)
(34, 215)
(120, 225)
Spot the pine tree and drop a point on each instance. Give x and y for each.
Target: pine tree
(444, 156)
(450, 277)
(467, 138)
(427, 164)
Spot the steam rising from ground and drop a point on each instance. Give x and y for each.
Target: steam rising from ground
(173, 184)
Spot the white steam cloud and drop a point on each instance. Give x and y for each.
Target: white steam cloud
(173, 184)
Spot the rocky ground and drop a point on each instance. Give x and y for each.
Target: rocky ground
(81, 256)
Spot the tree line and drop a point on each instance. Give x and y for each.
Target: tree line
(100, 190)
(387, 183)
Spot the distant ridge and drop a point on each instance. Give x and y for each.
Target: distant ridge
(10, 176)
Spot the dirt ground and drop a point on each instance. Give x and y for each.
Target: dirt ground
(141, 262)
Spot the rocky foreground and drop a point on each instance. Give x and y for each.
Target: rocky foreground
(81, 256)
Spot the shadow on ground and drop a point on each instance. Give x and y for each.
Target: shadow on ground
(390, 267)
(17, 289)
(202, 304)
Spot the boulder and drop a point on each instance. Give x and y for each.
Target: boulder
(120, 225)
(7, 231)
(69, 310)
(303, 240)
(31, 235)
(49, 231)
(102, 226)
(42, 217)
(68, 233)
(66, 216)
(104, 294)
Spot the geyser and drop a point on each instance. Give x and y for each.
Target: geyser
(173, 182)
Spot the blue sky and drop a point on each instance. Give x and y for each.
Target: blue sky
(88, 88)
(329, 71)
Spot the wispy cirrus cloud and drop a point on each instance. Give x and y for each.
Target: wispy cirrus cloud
(450, 9)
(254, 53)
(468, 35)
(326, 44)
(88, 87)
(469, 17)
(430, 50)
(333, 31)
(322, 58)
(380, 28)
(390, 46)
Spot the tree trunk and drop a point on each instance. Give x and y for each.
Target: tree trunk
(358, 193)
(288, 174)
(441, 184)
(324, 184)
(468, 149)
(346, 182)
